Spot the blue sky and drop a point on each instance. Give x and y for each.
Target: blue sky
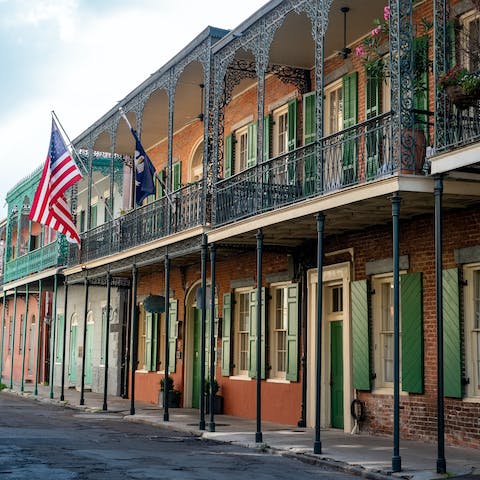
(80, 57)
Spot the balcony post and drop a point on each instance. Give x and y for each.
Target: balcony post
(317, 446)
(85, 317)
(24, 339)
(88, 210)
(169, 183)
(3, 333)
(37, 353)
(107, 341)
(396, 459)
(203, 269)
(53, 333)
(438, 191)
(258, 341)
(211, 425)
(12, 342)
(166, 416)
(64, 333)
(134, 336)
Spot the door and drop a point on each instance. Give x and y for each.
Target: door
(89, 354)
(336, 374)
(72, 364)
(197, 321)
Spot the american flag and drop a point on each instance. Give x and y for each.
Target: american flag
(60, 172)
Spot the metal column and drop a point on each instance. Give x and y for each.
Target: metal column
(82, 387)
(167, 337)
(53, 332)
(134, 344)
(317, 445)
(64, 333)
(203, 267)
(3, 333)
(12, 342)
(396, 459)
(107, 341)
(37, 363)
(211, 425)
(258, 433)
(438, 191)
(24, 340)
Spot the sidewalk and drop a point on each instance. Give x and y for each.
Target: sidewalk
(362, 454)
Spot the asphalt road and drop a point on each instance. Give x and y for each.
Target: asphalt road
(43, 441)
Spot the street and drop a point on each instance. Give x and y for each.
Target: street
(43, 441)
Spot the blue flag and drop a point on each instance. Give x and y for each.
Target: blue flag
(144, 172)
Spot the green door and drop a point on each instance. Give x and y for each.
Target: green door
(336, 375)
(197, 322)
(89, 354)
(72, 365)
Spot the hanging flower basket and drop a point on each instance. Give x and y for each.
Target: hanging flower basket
(459, 98)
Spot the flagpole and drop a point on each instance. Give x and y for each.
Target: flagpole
(77, 155)
(164, 185)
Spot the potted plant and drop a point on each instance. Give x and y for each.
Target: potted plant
(173, 394)
(460, 86)
(217, 399)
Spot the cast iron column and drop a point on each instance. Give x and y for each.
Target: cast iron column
(203, 268)
(302, 423)
(317, 445)
(64, 333)
(37, 363)
(53, 333)
(258, 342)
(107, 341)
(3, 333)
(85, 315)
(24, 340)
(12, 342)
(211, 425)
(134, 336)
(396, 459)
(166, 417)
(438, 191)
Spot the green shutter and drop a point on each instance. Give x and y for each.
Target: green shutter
(452, 44)
(420, 93)
(172, 339)
(154, 341)
(412, 332)
(267, 123)
(252, 340)
(372, 109)
(160, 184)
(292, 124)
(360, 336)
(309, 118)
(226, 333)
(452, 360)
(60, 326)
(252, 144)
(229, 154)
(93, 216)
(177, 176)
(350, 118)
(292, 333)
(148, 341)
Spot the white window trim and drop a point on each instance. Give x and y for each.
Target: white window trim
(237, 168)
(337, 84)
(239, 374)
(275, 143)
(465, 21)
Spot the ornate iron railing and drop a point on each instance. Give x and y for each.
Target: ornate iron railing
(52, 255)
(358, 154)
(183, 209)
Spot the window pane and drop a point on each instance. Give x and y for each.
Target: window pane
(282, 133)
(476, 299)
(337, 299)
(387, 307)
(281, 351)
(388, 358)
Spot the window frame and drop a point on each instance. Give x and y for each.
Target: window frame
(237, 371)
(274, 372)
(276, 115)
(336, 86)
(238, 164)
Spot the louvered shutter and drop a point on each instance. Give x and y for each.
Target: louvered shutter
(229, 155)
(372, 100)
(251, 144)
(252, 340)
(172, 339)
(226, 333)
(350, 118)
(292, 333)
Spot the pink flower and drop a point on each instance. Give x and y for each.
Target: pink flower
(360, 51)
(376, 31)
(386, 12)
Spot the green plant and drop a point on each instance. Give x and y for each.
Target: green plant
(169, 383)
(216, 386)
(461, 77)
(2, 386)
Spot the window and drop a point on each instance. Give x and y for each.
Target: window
(469, 41)
(382, 306)
(241, 149)
(278, 335)
(151, 341)
(280, 131)
(472, 330)
(333, 108)
(242, 324)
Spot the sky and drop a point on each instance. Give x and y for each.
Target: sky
(79, 58)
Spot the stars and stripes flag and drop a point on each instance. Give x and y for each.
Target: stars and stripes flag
(60, 172)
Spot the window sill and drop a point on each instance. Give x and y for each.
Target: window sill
(387, 391)
(240, 377)
(277, 380)
(470, 399)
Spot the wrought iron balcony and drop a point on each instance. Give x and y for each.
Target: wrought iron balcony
(52, 255)
(356, 155)
(184, 209)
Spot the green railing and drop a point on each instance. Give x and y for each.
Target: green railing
(51, 255)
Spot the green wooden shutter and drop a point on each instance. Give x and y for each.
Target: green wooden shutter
(292, 333)
(452, 360)
(172, 339)
(420, 93)
(154, 336)
(93, 216)
(148, 341)
(226, 333)
(292, 125)
(159, 184)
(251, 144)
(452, 43)
(360, 336)
(267, 125)
(229, 155)
(412, 332)
(309, 118)
(60, 326)
(252, 340)
(372, 109)
(350, 118)
(177, 175)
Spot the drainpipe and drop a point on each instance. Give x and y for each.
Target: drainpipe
(211, 425)
(64, 333)
(134, 344)
(303, 320)
(203, 267)
(53, 332)
(258, 433)
(166, 416)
